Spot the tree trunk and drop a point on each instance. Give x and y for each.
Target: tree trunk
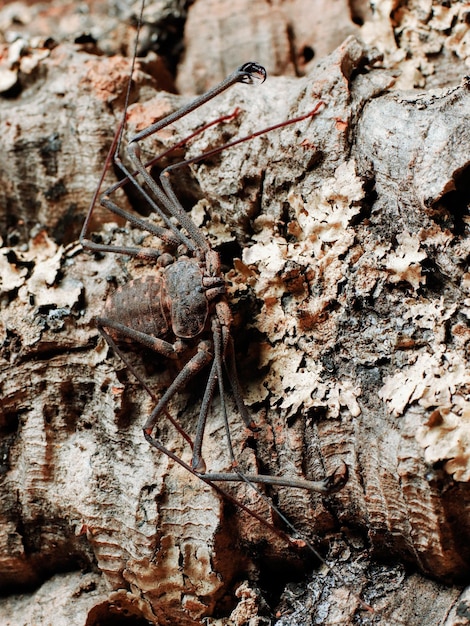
(346, 246)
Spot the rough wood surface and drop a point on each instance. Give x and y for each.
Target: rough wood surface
(346, 240)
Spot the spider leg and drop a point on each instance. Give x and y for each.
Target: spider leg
(165, 348)
(302, 542)
(198, 463)
(165, 174)
(219, 340)
(330, 484)
(245, 74)
(168, 234)
(200, 360)
(224, 353)
(165, 181)
(148, 253)
(227, 495)
(231, 369)
(157, 345)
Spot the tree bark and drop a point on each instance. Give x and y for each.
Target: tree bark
(345, 238)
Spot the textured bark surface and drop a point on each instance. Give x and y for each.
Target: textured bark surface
(346, 243)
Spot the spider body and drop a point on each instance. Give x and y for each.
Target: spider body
(175, 301)
(180, 310)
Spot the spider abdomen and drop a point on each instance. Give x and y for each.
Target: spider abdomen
(140, 307)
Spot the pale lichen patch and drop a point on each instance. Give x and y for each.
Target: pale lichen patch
(296, 277)
(440, 384)
(404, 262)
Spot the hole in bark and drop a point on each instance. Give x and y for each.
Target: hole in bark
(9, 421)
(73, 400)
(275, 574)
(435, 280)
(307, 53)
(456, 203)
(114, 614)
(68, 227)
(48, 551)
(360, 12)
(85, 38)
(165, 37)
(316, 413)
(7, 441)
(228, 251)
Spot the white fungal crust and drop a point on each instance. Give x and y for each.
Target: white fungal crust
(438, 384)
(305, 267)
